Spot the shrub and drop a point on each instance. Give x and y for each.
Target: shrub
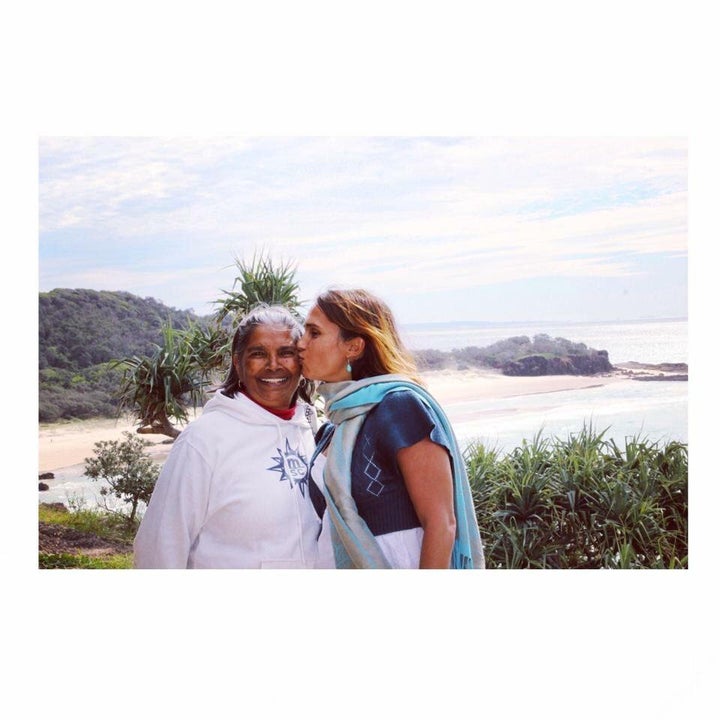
(583, 502)
(130, 473)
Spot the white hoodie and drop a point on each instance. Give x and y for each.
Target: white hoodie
(233, 493)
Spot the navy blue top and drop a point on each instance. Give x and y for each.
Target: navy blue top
(400, 420)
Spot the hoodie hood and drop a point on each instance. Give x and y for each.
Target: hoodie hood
(243, 408)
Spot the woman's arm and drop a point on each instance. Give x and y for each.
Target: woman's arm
(426, 469)
(175, 513)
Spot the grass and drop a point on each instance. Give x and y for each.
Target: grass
(111, 526)
(49, 561)
(107, 525)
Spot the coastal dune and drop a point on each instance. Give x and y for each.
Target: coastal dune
(65, 444)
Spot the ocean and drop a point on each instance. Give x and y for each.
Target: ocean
(653, 411)
(654, 341)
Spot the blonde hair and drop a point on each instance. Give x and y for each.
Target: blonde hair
(358, 313)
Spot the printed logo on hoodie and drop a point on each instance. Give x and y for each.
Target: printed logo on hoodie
(292, 466)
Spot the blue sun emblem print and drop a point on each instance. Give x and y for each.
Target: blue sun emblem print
(292, 466)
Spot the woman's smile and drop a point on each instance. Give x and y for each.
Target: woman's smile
(275, 381)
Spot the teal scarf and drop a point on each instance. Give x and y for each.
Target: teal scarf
(346, 405)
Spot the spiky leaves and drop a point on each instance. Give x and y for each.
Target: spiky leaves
(162, 386)
(260, 281)
(584, 502)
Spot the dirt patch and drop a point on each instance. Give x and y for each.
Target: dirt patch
(60, 539)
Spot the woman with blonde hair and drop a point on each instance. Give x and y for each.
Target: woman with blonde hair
(396, 493)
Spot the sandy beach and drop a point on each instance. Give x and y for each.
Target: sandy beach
(65, 444)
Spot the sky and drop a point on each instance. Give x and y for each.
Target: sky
(466, 228)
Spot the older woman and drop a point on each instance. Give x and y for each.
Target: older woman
(396, 490)
(233, 492)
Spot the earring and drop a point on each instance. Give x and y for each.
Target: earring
(348, 368)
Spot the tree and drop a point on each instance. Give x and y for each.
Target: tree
(164, 385)
(161, 387)
(260, 281)
(130, 473)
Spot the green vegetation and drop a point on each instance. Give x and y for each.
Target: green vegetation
(260, 281)
(80, 333)
(100, 523)
(50, 561)
(161, 386)
(130, 473)
(101, 352)
(108, 525)
(580, 503)
(583, 502)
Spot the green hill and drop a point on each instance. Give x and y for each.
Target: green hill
(80, 331)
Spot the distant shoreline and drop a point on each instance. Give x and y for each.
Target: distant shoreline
(68, 443)
(505, 323)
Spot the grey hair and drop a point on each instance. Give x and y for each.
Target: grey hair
(263, 314)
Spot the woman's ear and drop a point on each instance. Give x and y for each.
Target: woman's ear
(355, 348)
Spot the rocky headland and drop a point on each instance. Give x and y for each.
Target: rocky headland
(590, 364)
(542, 355)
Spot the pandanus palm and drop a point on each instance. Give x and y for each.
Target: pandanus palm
(260, 281)
(163, 386)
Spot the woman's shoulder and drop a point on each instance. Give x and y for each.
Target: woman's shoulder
(402, 401)
(403, 418)
(401, 409)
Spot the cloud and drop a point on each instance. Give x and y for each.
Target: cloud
(401, 213)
